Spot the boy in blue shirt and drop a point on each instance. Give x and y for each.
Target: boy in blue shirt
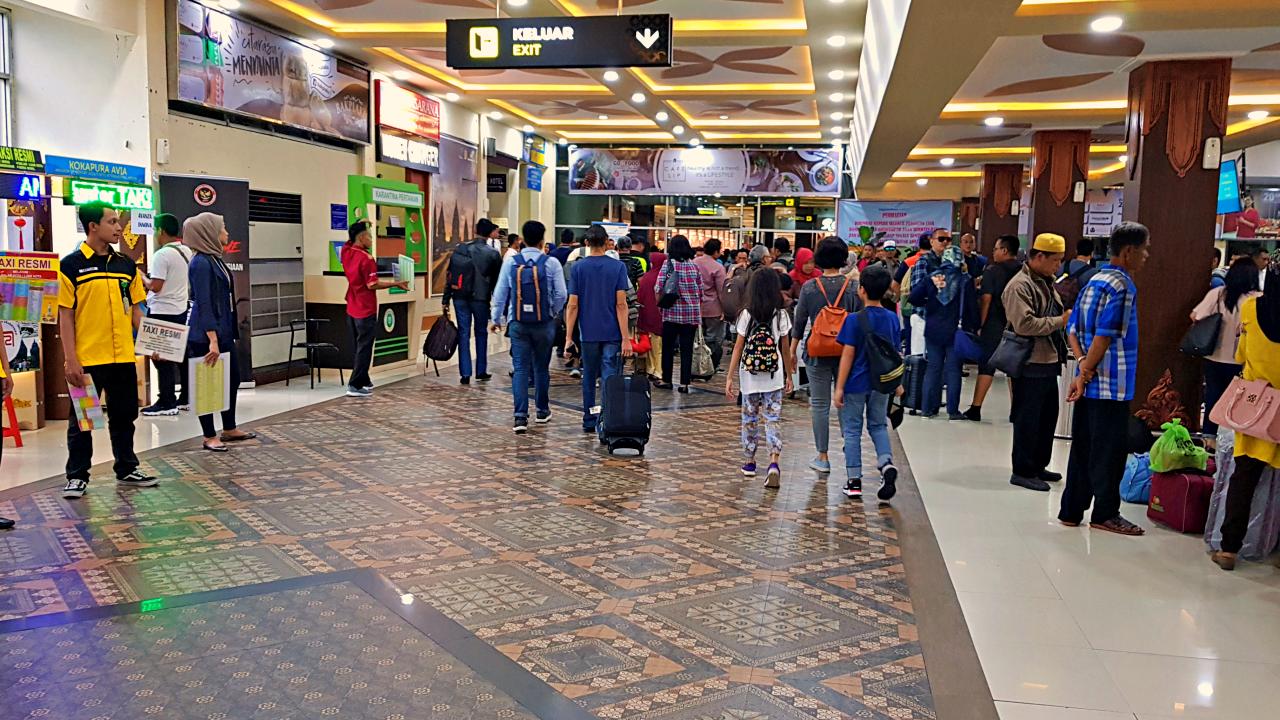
(854, 395)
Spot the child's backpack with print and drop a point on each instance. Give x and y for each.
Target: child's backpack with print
(760, 352)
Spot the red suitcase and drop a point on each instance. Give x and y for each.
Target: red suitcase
(1180, 500)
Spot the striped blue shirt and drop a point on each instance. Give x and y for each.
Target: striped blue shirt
(1108, 307)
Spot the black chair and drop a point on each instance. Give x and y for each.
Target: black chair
(312, 349)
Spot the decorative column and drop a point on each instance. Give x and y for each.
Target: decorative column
(1174, 108)
(1059, 171)
(1001, 190)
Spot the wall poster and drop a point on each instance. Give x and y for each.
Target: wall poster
(227, 63)
(455, 204)
(702, 171)
(862, 222)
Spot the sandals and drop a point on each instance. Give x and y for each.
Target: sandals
(1119, 526)
(1224, 560)
(239, 438)
(215, 448)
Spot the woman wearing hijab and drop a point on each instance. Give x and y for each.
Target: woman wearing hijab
(804, 271)
(650, 318)
(948, 297)
(214, 328)
(1259, 352)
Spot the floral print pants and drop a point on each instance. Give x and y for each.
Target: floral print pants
(761, 421)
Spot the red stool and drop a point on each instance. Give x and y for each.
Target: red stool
(12, 429)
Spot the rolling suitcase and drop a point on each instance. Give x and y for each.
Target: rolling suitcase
(1180, 500)
(626, 413)
(913, 383)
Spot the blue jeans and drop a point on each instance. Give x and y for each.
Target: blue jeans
(472, 314)
(531, 353)
(942, 358)
(874, 407)
(822, 377)
(600, 360)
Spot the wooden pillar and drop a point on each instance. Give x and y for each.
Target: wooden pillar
(1001, 190)
(1059, 166)
(969, 215)
(1174, 107)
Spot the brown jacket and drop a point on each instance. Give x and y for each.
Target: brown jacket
(1035, 310)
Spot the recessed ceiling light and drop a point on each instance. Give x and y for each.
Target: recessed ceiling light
(836, 41)
(1124, 159)
(678, 130)
(401, 74)
(662, 116)
(837, 116)
(602, 118)
(451, 97)
(695, 142)
(325, 43)
(611, 76)
(947, 162)
(638, 97)
(564, 141)
(993, 121)
(922, 181)
(836, 97)
(1259, 115)
(527, 128)
(1106, 24)
(836, 74)
(517, 3)
(495, 115)
(724, 117)
(230, 4)
(836, 130)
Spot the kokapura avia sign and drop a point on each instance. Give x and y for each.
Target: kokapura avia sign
(559, 42)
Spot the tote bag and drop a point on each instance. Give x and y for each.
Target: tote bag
(1250, 407)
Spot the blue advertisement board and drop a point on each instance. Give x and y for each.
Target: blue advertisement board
(533, 178)
(862, 222)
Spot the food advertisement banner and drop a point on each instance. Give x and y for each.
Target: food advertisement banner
(861, 222)
(226, 63)
(704, 171)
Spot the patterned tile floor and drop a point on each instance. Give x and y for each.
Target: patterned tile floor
(655, 587)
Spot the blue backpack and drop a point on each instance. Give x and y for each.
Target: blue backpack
(532, 299)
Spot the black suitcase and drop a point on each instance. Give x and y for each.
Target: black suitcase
(913, 383)
(626, 413)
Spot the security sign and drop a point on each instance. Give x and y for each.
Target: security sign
(559, 42)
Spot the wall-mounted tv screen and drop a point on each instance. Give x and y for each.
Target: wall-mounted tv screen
(1228, 188)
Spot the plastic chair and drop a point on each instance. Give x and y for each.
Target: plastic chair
(12, 429)
(311, 350)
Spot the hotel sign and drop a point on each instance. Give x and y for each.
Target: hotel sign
(559, 42)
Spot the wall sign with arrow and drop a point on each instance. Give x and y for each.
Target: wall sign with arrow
(613, 41)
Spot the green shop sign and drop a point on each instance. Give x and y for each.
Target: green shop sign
(124, 197)
(20, 159)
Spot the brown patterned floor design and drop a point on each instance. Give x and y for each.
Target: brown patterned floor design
(665, 586)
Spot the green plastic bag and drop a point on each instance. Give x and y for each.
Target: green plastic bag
(1174, 450)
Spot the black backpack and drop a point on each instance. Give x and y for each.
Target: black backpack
(463, 273)
(883, 359)
(442, 340)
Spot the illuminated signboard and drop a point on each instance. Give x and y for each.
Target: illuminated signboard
(21, 187)
(559, 42)
(408, 111)
(408, 152)
(535, 150)
(130, 197)
(20, 159)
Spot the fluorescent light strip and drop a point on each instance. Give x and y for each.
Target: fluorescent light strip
(1246, 125)
(1004, 107)
(905, 174)
(592, 122)
(580, 135)
(654, 86)
(710, 26)
(519, 88)
(1107, 169)
(946, 152)
(713, 135)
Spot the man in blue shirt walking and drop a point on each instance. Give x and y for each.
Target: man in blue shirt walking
(1103, 332)
(530, 294)
(598, 307)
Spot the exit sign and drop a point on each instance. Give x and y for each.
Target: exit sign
(124, 197)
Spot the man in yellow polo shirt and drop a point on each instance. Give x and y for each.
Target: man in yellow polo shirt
(98, 312)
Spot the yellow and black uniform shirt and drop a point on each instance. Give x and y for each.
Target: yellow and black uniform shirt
(101, 290)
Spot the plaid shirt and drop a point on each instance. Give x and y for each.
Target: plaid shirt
(688, 310)
(1108, 307)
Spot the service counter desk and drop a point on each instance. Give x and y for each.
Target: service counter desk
(399, 320)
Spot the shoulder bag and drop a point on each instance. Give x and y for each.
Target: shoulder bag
(1202, 338)
(1250, 407)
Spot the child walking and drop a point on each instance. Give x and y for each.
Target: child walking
(855, 392)
(762, 371)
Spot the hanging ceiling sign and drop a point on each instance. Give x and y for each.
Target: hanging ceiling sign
(123, 197)
(559, 42)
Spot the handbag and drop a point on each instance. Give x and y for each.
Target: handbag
(640, 343)
(965, 343)
(670, 293)
(702, 365)
(1202, 337)
(1012, 354)
(1250, 407)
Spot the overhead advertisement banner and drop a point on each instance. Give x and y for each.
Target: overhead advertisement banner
(703, 171)
(230, 64)
(407, 111)
(559, 42)
(861, 222)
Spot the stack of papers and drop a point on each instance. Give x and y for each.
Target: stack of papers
(88, 407)
(404, 270)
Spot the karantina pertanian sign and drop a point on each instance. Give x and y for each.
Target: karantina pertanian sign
(559, 42)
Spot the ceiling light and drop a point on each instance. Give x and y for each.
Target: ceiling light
(517, 3)
(678, 130)
(401, 74)
(837, 116)
(695, 142)
(495, 115)
(602, 118)
(922, 181)
(1205, 689)
(947, 162)
(1259, 115)
(451, 97)
(836, 74)
(724, 117)
(564, 141)
(836, 130)
(230, 4)
(1124, 158)
(637, 97)
(325, 43)
(527, 128)
(993, 121)
(662, 116)
(836, 41)
(1106, 24)
(836, 97)
(611, 76)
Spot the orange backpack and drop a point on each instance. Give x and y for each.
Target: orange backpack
(826, 325)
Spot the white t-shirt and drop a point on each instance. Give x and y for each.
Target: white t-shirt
(170, 265)
(510, 253)
(764, 382)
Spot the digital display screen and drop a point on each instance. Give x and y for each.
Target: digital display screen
(1228, 188)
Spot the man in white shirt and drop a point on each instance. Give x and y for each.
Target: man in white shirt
(167, 300)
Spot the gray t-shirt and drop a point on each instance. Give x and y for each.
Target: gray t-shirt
(812, 301)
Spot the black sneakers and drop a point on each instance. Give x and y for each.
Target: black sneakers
(889, 488)
(520, 426)
(75, 488)
(5, 523)
(1034, 483)
(853, 488)
(158, 410)
(543, 417)
(137, 479)
(484, 377)
(1049, 476)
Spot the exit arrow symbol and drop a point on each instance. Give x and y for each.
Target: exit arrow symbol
(647, 38)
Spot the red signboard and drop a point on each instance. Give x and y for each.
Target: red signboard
(408, 111)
